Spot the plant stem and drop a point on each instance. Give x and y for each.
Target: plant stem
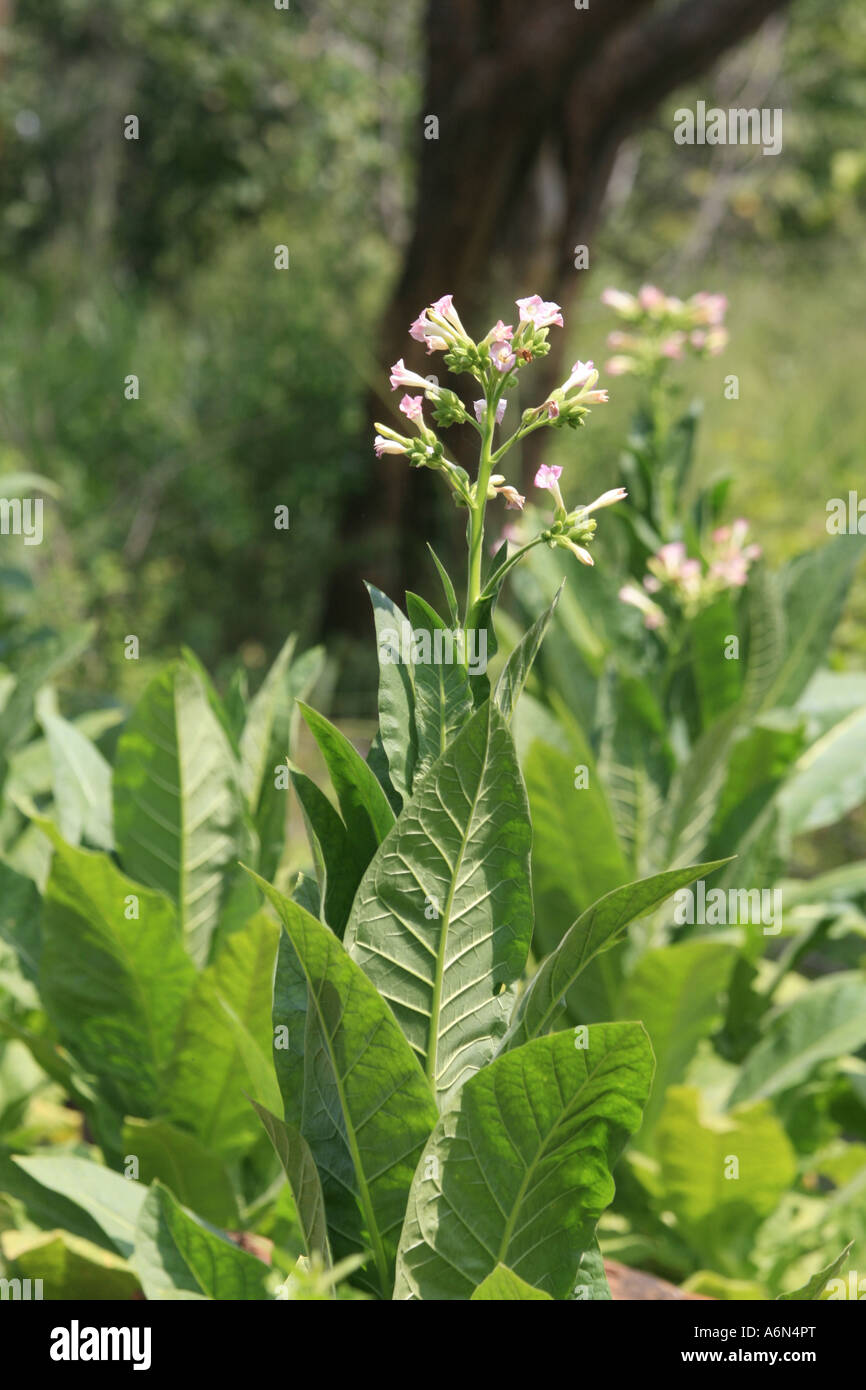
(477, 510)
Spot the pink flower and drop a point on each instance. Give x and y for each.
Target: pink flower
(548, 476)
(650, 297)
(619, 300)
(513, 499)
(620, 366)
(501, 356)
(594, 397)
(580, 375)
(552, 410)
(480, 406)
(401, 376)
(539, 312)
(411, 407)
(607, 499)
(673, 346)
(387, 446)
(423, 332)
(710, 308)
(499, 331)
(443, 306)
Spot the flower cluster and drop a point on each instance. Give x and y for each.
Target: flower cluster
(495, 362)
(691, 583)
(661, 328)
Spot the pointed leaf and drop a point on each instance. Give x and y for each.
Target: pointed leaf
(443, 697)
(178, 1256)
(178, 808)
(518, 1169)
(294, 1154)
(81, 784)
(396, 694)
(205, 1090)
(596, 930)
(504, 1286)
(367, 1108)
(825, 1022)
(520, 661)
(812, 1290)
(195, 1175)
(443, 918)
(114, 986)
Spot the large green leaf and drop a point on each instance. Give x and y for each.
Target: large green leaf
(195, 1175)
(518, 1169)
(396, 694)
(677, 992)
(443, 697)
(81, 784)
(815, 588)
(830, 778)
(367, 1108)
(114, 975)
(178, 1256)
(300, 1169)
(109, 1203)
(721, 1174)
(205, 1091)
(502, 1285)
(179, 813)
(443, 918)
(517, 668)
(826, 1021)
(596, 930)
(340, 861)
(69, 1269)
(812, 1290)
(363, 804)
(267, 741)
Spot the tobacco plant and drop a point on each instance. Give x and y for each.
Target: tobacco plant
(439, 1136)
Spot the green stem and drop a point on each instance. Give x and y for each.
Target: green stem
(477, 509)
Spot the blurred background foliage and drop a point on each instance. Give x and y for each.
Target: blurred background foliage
(260, 127)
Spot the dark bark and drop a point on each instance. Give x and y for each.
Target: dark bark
(533, 102)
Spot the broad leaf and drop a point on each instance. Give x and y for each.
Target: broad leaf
(826, 1021)
(300, 1169)
(109, 1203)
(81, 784)
(367, 1109)
(812, 1290)
(363, 804)
(267, 741)
(205, 1092)
(443, 917)
(677, 992)
(596, 930)
(70, 1269)
(396, 694)
(114, 975)
(180, 817)
(721, 1174)
(193, 1173)
(518, 1169)
(504, 1286)
(829, 780)
(178, 1256)
(520, 661)
(443, 698)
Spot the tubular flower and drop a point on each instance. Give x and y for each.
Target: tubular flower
(401, 376)
(539, 312)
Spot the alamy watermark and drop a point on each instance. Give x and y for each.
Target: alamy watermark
(738, 126)
(714, 907)
(414, 646)
(22, 518)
